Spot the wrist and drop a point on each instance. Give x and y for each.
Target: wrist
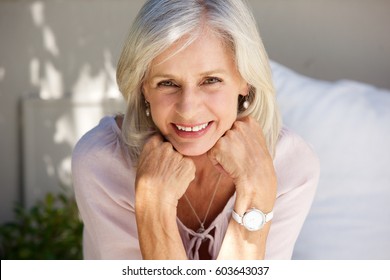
(252, 209)
(150, 208)
(249, 197)
(253, 219)
(147, 194)
(155, 217)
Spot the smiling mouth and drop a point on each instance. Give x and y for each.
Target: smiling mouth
(195, 128)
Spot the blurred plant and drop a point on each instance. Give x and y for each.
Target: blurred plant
(51, 229)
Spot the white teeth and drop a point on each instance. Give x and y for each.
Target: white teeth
(193, 128)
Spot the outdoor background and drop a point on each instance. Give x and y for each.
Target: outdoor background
(58, 60)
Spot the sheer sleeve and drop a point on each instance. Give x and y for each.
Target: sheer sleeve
(104, 187)
(298, 169)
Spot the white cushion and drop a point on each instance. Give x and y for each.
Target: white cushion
(348, 125)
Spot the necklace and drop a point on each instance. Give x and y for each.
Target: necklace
(201, 229)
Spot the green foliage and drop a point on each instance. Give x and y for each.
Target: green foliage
(49, 230)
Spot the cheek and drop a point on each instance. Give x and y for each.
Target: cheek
(226, 105)
(162, 113)
(158, 115)
(225, 111)
(161, 108)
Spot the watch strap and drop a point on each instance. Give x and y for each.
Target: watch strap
(237, 217)
(269, 216)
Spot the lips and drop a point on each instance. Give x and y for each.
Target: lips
(191, 130)
(195, 128)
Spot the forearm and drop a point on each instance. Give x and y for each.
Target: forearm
(158, 234)
(163, 176)
(239, 242)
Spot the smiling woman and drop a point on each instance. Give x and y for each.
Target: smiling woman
(193, 94)
(199, 165)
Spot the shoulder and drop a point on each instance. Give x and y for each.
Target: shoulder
(295, 160)
(101, 153)
(101, 163)
(98, 139)
(102, 142)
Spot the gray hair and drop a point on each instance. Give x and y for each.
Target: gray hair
(159, 24)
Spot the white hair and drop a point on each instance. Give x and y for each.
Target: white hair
(159, 24)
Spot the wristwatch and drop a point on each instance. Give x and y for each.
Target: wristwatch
(253, 219)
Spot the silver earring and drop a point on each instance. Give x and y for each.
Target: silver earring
(147, 110)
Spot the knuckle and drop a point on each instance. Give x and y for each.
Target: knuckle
(188, 163)
(248, 119)
(238, 125)
(228, 133)
(217, 147)
(166, 146)
(153, 141)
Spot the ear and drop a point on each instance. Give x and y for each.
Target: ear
(145, 92)
(244, 90)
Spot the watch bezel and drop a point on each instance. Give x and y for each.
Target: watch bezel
(248, 224)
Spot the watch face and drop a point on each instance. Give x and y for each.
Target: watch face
(253, 220)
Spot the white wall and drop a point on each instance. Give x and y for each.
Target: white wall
(69, 48)
(50, 49)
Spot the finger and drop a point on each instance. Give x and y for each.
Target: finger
(190, 166)
(155, 140)
(248, 126)
(244, 119)
(221, 170)
(214, 156)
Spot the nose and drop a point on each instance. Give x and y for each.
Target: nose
(189, 102)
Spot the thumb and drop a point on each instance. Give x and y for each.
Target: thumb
(214, 157)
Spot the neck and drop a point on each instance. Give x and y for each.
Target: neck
(205, 170)
(200, 194)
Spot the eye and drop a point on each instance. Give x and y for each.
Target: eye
(167, 83)
(211, 80)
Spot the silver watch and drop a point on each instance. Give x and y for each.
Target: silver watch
(253, 219)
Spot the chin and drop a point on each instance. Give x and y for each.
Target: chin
(193, 151)
(188, 153)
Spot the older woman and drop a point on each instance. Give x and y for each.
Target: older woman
(199, 166)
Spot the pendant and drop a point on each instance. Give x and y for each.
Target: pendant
(201, 229)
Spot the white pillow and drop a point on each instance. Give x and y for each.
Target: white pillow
(348, 125)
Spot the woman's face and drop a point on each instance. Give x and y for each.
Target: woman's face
(193, 94)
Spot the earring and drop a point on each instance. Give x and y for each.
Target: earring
(246, 103)
(147, 110)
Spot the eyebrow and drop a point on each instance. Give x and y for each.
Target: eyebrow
(213, 72)
(171, 76)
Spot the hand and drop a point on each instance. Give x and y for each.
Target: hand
(163, 175)
(242, 153)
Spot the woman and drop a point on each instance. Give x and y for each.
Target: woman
(198, 167)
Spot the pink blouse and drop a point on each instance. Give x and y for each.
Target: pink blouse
(103, 179)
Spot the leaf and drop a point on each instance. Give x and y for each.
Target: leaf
(51, 229)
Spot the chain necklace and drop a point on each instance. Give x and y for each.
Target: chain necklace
(201, 229)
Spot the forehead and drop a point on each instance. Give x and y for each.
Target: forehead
(207, 51)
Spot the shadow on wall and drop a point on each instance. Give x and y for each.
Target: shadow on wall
(93, 79)
(50, 130)
(60, 95)
(53, 122)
